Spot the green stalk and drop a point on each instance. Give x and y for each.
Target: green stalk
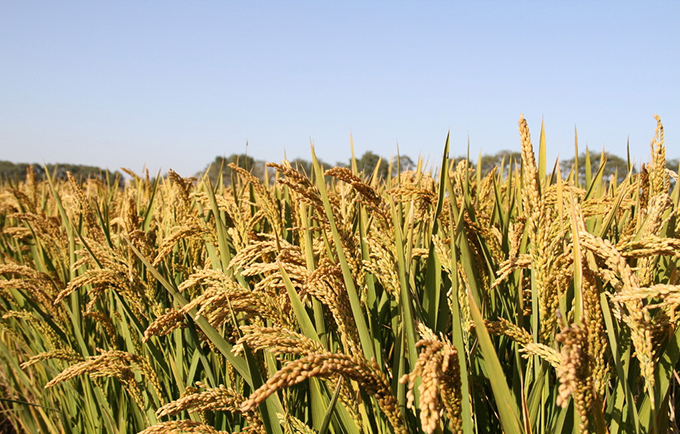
(505, 402)
(357, 311)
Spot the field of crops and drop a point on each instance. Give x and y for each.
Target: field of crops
(524, 300)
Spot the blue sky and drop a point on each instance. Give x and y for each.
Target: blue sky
(172, 84)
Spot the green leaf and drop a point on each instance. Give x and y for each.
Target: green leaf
(542, 156)
(355, 303)
(505, 402)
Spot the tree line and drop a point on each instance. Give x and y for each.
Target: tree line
(16, 172)
(368, 163)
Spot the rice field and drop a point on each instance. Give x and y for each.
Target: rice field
(524, 300)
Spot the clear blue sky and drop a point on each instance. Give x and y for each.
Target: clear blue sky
(172, 84)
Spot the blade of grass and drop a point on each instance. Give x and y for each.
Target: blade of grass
(542, 157)
(505, 402)
(457, 334)
(433, 304)
(355, 303)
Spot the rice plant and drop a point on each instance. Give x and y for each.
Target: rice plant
(521, 300)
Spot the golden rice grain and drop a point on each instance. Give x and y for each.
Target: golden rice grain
(277, 340)
(437, 367)
(369, 377)
(573, 373)
(180, 427)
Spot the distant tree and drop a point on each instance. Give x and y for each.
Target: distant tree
(614, 166)
(14, 171)
(306, 166)
(368, 163)
(17, 172)
(302, 166)
(404, 163)
(370, 160)
(489, 161)
(673, 164)
(219, 168)
(258, 168)
(505, 156)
